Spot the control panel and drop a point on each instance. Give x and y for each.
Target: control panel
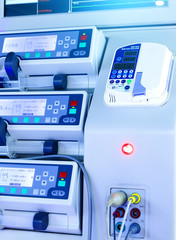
(139, 75)
(32, 180)
(55, 109)
(49, 115)
(47, 45)
(136, 213)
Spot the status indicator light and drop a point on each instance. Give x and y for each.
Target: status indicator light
(127, 149)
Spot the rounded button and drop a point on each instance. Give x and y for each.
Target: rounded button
(120, 71)
(129, 81)
(124, 76)
(125, 71)
(123, 81)
(119, 58)
(118, 76)
(114, 71)
(113, 76)
(130, 75)
(131, 71)
(112, 81)
(117, 81)
(127, 87)
(76, 53)
(82, 53)
(54, 192)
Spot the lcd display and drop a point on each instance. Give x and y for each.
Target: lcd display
(129, 59)
(17, 177)
(34, 7)
(130, 53)
(30, 44)
(22, 107)
(123, 66)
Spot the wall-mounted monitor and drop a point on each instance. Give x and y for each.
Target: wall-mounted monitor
(36, 7)
(44, 14)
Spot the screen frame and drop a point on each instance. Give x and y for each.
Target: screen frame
(101, 19)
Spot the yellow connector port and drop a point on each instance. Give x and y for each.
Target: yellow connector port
(135, 198)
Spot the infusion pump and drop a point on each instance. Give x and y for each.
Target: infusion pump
(54, 59)
(40, 195)
(139, 75)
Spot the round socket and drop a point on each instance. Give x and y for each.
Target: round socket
(118, 226)
(135, 213)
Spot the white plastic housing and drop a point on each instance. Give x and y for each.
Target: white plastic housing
(64, 215)
(154, 64)
(49, 132)
(69, 66)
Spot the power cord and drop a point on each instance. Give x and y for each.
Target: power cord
(115, 199)
(86, 177)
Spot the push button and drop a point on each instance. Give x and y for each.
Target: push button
(83, 37)
(82, 53)
(66, 120)
(72, 120)
(82, 45)
(54, 193)
(63, 174)
(51, 179)
(61, 184)
(72, 111)
(61, 193)
(74, 103)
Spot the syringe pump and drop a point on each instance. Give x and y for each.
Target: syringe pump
(51, 59)
(35, 119)
(40, 196)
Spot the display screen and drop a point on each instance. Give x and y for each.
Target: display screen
(35, 7)
(130, 53)
(22, 107)
(30, 44)
(129, 59)
(17, 177)
(123, 66)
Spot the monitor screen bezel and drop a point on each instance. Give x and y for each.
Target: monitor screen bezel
(101, 19)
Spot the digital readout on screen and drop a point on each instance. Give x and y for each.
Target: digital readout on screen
(22, 107)
(122, 66)
(30, 44)
(129, 59)
(18, 177)
(130, 53)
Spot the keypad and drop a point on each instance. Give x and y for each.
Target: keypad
(56, 109)
(124, 80)
(49, 181)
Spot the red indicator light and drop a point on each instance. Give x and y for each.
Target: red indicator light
(74, 103)
(83, 37)
(127, 149)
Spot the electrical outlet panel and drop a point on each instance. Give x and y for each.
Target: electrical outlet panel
(136, 213)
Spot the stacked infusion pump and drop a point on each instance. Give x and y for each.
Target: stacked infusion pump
(129, 132)
(47, 79)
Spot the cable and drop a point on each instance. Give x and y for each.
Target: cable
(133, 229)
(86, 177)
(124, 219)
(114, 228)
(128, 235)
(115, 199)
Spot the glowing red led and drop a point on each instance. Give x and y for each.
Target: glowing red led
(127, 149)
